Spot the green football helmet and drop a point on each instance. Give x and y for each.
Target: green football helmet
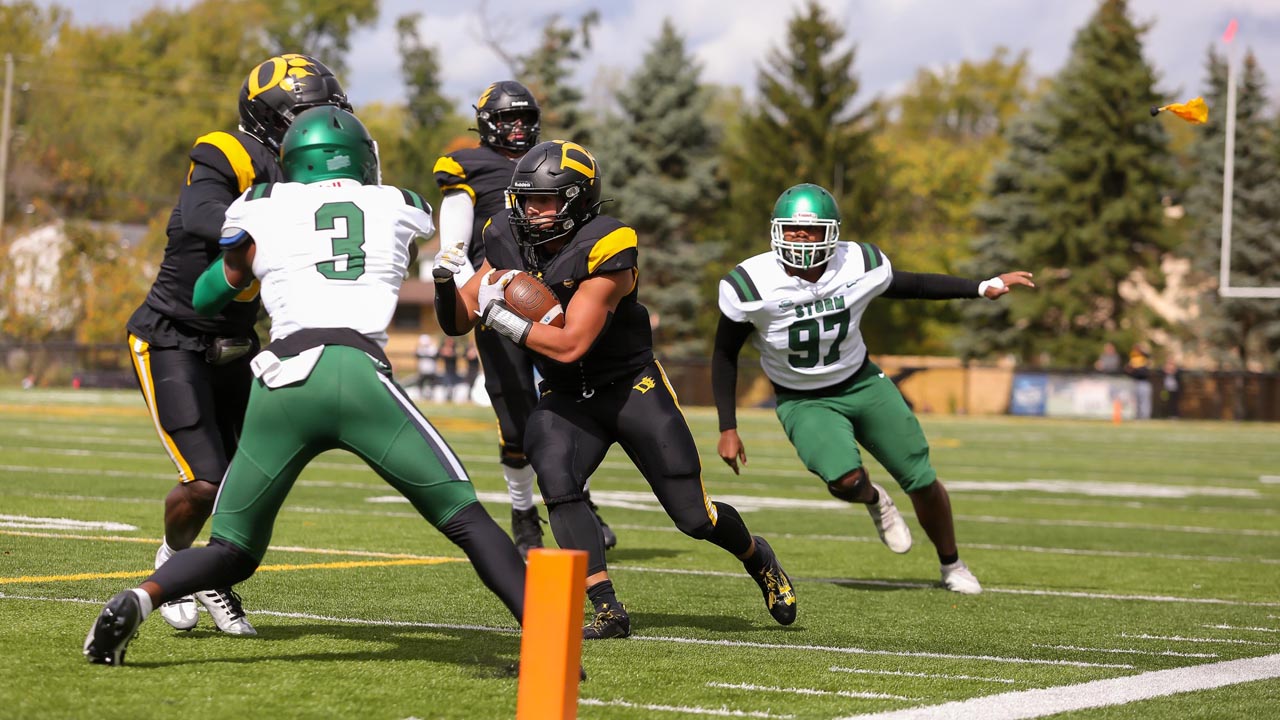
(327, 143)
(805, 205)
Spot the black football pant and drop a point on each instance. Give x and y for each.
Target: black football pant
(508, 379)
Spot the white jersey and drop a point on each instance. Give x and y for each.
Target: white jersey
(808, 334)
(329, 254)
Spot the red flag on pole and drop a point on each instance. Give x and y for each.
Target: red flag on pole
(1230, 34)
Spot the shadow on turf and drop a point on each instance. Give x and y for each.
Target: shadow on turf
(488, 656)
(657, 623)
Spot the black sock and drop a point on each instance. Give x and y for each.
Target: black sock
(601, 594)
(948, 559)
(730, 532)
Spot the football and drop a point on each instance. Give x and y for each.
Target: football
(534, 300)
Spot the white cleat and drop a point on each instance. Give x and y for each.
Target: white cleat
(226, 610)
(181, 614)
(890, 524)
(956, 577)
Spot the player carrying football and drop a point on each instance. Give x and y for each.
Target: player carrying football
(801, 305)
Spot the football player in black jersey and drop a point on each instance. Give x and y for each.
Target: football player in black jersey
(474, 184)
(194, 370)
(601, 384)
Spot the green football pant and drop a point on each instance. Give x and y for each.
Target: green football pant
(345, 403)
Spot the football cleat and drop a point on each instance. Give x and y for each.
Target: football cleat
(779, 596)
(957, 577)
(610, 537)
(890, 524)
(227, 611)
(115, 627)
(609, 622)
(526, 530)
(181, 614)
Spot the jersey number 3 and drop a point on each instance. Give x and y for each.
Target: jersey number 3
(804, 339)
(348, 249)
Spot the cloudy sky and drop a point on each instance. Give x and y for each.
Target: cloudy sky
(894, 37)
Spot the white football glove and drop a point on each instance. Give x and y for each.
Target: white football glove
(492, 290)
(450, 262)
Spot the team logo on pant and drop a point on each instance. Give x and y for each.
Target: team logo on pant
(645, 385)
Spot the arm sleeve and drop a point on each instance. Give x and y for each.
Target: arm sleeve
(212, 291)
(730, 337)
(457, 219)
(930, 286)
(204, 200)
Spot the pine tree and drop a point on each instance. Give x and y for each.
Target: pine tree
(804, 128)
(430, 120)
(1238, 330)
(659, 162)
(1092, 198)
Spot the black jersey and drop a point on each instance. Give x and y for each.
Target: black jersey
(603, 245)
(223, 165)
(484, 174)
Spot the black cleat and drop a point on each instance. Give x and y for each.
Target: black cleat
(610, 537)
(526, 530)
(779, 596)
(115, 627)
(609, 622)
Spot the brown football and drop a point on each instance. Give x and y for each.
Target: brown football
(533, 299)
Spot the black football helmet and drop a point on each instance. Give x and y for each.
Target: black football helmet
(497, 110)
(280, 88)
(564, 169)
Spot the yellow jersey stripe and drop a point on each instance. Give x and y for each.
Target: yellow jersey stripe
(610, 245)
(239, 158)
(141, 355)
(446, 164)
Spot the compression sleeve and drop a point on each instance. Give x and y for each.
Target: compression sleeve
(457, 219)
(930, 286)
(730, 337)
(212, 291)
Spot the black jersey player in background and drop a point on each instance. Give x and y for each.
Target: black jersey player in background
(193, 370)
(601, 384)
(474, 183)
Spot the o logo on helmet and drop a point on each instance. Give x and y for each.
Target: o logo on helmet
(583, 162)
(291, 65)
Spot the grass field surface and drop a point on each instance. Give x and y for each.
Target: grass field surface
(1135, 568)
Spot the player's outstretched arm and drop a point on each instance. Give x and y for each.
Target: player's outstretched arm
(1003, 283)
(224, 279)
(935, 286)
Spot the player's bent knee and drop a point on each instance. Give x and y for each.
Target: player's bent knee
(234, 563)
(512, 459)
(700, 530)
(552, 501)
(850, 487)
(922, 485)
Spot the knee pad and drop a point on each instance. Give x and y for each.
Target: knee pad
(701, 531)
(849, 487)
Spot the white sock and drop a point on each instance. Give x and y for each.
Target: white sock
(164, 553)
(519, 486)
(144, 600)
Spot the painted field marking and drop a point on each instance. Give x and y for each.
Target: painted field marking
(1097, 693)
(346, 565)
(683, 709)
(1179, 638)
(865, 651)
(274, 548)
(1269, 479)
(1194, 529)
(1099, 489)
(808, 691)
(44, 523)
(860, 671)
(1168, 653)
(1238, 627)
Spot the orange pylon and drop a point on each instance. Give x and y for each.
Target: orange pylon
(551, 645)
(1117, 412)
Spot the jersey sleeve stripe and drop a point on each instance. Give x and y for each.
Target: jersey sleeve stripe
(610, 245)
(239, 158)
(258, 191)
(870, 256)
(743, 285)
(446, 164)
(460, 187)
(413, 198)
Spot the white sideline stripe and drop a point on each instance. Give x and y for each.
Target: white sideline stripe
(807, 691)
(1097, 693)
(860, 671)
(1179, 638)
(683, 709)
(44, 523)
(1269, 479)
(864, 651)
(1195, 529)
(1238, 627)
(1168, 653)
(1099, 489)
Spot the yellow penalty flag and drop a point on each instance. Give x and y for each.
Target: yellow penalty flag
(1194, 110)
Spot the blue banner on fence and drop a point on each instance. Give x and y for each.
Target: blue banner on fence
(1029, 394)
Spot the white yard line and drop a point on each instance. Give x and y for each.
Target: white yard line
(860, 671)
(1179, 638)
(1097, 693)
(1238, 627)
(1127, 651)
(1193, 529)
(682, 709)
(749, 687)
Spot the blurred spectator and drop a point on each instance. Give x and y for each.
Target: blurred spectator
(449, 366)
(1170, 388)
(1139, 368)
(426, 354)
(1109, 360)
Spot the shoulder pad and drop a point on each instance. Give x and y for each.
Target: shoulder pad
(614, 250)
(225, 153)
